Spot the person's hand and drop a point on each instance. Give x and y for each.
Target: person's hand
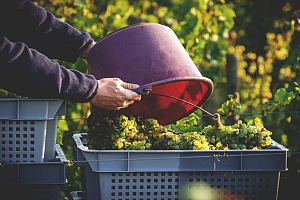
(114, 94)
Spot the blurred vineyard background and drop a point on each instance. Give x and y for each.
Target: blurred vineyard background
(260, 37)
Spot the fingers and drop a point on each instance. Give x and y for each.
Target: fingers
(131, 95)
(125, 104)
(129, 86)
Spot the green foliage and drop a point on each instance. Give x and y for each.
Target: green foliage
(230, 107)
(283, 97)
(189, 123)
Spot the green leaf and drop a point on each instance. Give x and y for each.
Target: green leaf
(283, 97)
(229, 15)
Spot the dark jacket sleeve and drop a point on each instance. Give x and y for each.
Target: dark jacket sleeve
(29, 36)
(27, 72)
(23, 21)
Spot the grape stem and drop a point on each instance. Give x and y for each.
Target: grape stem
(217, 119)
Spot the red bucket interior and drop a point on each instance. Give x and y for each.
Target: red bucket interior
(168, 110)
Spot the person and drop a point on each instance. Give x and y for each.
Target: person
(31, 38)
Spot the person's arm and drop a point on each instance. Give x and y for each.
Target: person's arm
(27, 72)
(22, 20)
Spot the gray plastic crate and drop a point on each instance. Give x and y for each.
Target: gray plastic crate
(179, 174)
(28, 129)
(34, 180)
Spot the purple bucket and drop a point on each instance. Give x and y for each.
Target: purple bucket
(151, 54)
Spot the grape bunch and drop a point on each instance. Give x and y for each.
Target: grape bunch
(130, 133)
(237, 136)
(137, 133)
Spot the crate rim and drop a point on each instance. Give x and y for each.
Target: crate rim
(80, 145)
(178, 160)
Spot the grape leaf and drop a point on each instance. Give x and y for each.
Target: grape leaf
(284, 97)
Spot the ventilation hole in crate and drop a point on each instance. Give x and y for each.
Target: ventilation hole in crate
(24, 148)
(31, 148)
(31, 128)
(24, 128)
(31, 155)
(32, 142)
(31, 135)
(10, 135)
(2, 155)
(2, 142)
(3, 129)
(24, 155)
(10, 142)
(10, 149)
(10, 128)
(10, 122)
(24, 142)
(18, 129)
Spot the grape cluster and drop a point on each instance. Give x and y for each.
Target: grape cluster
(237, 136)
(130, 133)
(136, 133)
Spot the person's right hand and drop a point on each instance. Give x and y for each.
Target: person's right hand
(114, 94)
